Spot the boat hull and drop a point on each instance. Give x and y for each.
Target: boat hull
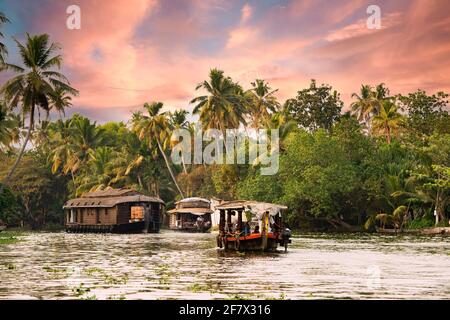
(253, 242)
(133, 227)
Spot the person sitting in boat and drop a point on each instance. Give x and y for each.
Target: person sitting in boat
(256, 229)
(247, 229)
(199, 222)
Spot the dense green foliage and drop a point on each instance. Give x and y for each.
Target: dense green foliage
(385, 163)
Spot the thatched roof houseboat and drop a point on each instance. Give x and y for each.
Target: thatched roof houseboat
(114, 210)
(191, 214)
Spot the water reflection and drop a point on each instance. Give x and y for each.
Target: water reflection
(174, 265)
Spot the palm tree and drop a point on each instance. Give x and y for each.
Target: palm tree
(388, 121)
(78, 141)
(130, 163)
(35, 83)
(155, 127)
(60, 100)
(99, 172)
(178, 121)
(223, 106)
(261, 102)
(368, 102)
(3, 50)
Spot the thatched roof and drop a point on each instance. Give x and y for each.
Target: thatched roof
(109, 198)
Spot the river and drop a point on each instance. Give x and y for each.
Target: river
(173, 265)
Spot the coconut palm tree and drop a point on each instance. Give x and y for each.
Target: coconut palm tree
(3, 50)
(223, 106)
(261, 103)
(99, 174)
(178, 121)
(78, 141)
(388, 121)
(131, 162)
(154, 126)
(35, 83)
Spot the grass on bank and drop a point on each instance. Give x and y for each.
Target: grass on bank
(10, 236)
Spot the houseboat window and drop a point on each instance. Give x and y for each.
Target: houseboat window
(137, 212)
(97, 213)
(72, 218)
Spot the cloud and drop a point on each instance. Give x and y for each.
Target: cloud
(159, 50)
(246, 13)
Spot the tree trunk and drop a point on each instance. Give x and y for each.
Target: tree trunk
(140, 181)
(22, 151)
(168, 167)
(388, 135)
(184, 165)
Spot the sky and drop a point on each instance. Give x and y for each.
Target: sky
(128, 52)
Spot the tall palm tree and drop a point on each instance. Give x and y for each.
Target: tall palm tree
(154, 126)
(35, 83)
(261, 103)
(223, 106)
(3, 50)
(388, 121)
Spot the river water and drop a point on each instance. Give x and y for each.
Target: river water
(173, 265)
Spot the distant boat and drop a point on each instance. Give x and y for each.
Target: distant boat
(261, 228)
(191, 215)
(114, 210)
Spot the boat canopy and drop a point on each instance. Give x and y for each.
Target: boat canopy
(193, 199)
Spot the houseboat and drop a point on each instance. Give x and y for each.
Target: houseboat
(191, 214)
(250, 225)
(114, 210)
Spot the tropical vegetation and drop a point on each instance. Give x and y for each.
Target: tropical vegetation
(384, 163)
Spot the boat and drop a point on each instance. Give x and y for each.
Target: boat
(191, 215)
(251, 225)
(2, 227)
(114, 211)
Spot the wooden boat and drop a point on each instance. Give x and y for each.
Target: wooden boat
(2, 227)
(115, 211)
(261, 229)
(191, 215)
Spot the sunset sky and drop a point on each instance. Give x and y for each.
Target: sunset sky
(132, 51)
